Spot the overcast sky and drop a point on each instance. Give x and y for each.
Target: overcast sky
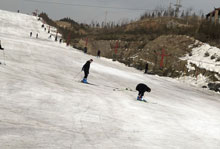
(84, 11)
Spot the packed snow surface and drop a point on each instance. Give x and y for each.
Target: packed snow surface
(44, 106)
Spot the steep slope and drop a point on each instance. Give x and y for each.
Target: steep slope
(43, 104)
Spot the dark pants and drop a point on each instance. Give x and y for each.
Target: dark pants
(145, 71)
(140, 93)
(86, 74)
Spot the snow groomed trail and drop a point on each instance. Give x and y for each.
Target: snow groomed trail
(42, 105)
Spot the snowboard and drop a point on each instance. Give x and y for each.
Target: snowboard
(88, 83)
(144, 100)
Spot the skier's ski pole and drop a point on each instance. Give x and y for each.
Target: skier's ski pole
(77, 74)
(4, 56)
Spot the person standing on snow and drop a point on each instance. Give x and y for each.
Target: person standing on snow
(85, 49)
(85, 68)
(141, 88)
(146, 68)
(1, 48)
(98, 53)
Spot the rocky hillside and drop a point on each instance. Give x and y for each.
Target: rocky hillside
(143, 41)
(175, 47)
(128, 52)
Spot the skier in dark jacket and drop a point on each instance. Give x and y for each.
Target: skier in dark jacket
(141, 88)
(85, 68)
(85, 49)
(1, 46)
(98, 53)
(146, 68)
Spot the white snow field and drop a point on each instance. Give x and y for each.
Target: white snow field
(44, 106)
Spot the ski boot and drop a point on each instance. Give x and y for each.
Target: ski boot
(84, 80)
(139, 98)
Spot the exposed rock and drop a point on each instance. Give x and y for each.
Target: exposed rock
(214, 86)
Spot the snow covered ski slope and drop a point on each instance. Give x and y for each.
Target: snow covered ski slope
(42, 105)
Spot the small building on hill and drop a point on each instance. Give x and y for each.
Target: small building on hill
(214, 15)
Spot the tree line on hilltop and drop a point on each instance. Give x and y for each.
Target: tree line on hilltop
(185, 23)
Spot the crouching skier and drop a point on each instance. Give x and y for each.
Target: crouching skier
(141, 88)
(85, 68)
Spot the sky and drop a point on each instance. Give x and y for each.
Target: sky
(86, 11)
(43, 104)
